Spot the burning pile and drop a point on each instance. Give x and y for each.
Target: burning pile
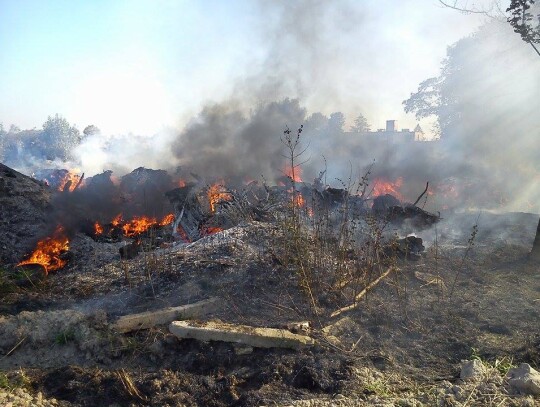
(61, 180)
(200, 209)
(118, 227)
(49, 251)
(216, 194)
(383, 186)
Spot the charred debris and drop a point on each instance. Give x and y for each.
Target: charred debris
(148, 209)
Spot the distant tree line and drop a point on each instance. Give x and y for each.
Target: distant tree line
(55, 141)
(58, 138)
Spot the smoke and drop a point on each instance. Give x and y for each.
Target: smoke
(492, 141)
(121, 153)
(303, 58)
(488, 92)
(224, 143)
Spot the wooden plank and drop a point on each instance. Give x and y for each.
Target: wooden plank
(149, 319)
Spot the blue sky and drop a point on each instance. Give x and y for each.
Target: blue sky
(138, 66)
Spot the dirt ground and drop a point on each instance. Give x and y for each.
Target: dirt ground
(402, 345)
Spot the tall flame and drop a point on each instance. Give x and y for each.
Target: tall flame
(294, 174)
(299, 200)
(71, 177)
(216, 194)
(48, 251)
(382, 186)
(98, 229)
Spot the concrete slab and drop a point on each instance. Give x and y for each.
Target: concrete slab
(247, 335)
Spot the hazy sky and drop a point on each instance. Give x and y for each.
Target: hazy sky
(129, 65)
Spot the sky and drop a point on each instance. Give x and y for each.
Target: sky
(142, 66)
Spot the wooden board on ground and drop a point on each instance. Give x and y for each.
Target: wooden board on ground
(149, 319)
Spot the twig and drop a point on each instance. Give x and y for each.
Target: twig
(356, 344)
(422, 194)
(362, 293)
(466, 10)
(129, 385)
(15, 347)
(79, 182)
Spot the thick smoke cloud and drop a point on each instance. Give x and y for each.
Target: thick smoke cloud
(224, 143)
(307, 53)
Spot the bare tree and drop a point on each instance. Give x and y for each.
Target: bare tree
(519, 15)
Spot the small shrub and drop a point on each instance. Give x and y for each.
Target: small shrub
(65, 337)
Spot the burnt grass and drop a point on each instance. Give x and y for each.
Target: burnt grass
(412, 324)
(203, 374)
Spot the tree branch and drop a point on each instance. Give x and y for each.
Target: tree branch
(422, 194)
(535, 48)
(487, 13)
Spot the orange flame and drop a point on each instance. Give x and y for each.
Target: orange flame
(167, 220)
(210, 230)
(216, 194)
(181, 183)
(294, 174)
(98, 229)
(117, 220)
(70, 177)
(383, 186)
(183, 234)
(48, 251)
(140, 224)
(299, 200)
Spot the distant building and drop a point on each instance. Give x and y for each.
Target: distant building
(391, 134)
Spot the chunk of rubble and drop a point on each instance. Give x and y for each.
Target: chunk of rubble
(410, 248)
(524, 380)
(472, 369)
(149, 319)
(247, 335)
(398, 213)
(343, 332)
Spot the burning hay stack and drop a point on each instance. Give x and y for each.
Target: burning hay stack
(143, 209)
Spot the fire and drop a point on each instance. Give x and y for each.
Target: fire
(117, 220)
(299, 200)
(294, 174)
(210, 230)
(138, 225)
(98, 229)
(181, 183)
(382, 186)
(167, 220)
(115, 180)
(183, 234)
(216, 194)
(72, 178)
(48, 251)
